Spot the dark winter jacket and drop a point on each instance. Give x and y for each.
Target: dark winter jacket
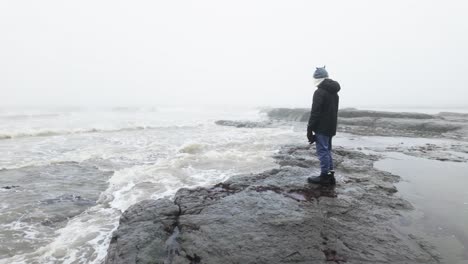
(324, 114)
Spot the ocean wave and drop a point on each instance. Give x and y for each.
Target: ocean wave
(207, 157)
(29, 116)
(48, 133)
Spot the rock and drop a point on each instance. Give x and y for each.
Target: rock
(443, 152)
(288, 114)
(365, 122)
(10, 187)
(142, 234)
(244, 124)
(353, 113)
(275, 217)
(302, 114)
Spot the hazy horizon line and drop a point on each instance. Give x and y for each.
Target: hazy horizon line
(153, 105)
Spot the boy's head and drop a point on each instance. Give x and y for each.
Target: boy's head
(320, 73)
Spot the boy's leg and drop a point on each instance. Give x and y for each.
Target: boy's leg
(330, 153)
(322, 146)
(323, 152)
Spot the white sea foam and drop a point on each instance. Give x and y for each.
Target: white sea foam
(148, 164)
(85, 238)
(47, 133)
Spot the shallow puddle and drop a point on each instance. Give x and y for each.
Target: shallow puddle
(439, 192)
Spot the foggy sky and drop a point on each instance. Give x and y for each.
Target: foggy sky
(393, 53)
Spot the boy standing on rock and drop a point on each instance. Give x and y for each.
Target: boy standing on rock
(323, 120)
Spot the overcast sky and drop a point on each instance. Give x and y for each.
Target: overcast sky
(384, 53)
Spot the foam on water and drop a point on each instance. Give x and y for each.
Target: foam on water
(85, 238)
(147, 164)
(185, 149)
(47, 133)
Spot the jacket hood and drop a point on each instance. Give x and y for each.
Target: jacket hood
(330, 86)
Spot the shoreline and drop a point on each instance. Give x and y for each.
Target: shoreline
(275, 217)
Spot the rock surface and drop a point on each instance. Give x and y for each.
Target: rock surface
(365, 122)
(275, 217)
(246, 124)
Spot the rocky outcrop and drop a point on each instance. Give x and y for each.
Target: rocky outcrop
(289, 114)
(454, 152)
(353, 113)
(244, 124)
(275, 217)
(144, 232)
(365, 122)
(302, 114)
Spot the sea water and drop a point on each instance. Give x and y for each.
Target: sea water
(66, 175)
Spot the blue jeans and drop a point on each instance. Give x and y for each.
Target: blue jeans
(324, 146)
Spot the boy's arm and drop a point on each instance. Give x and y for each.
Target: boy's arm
(317, 102)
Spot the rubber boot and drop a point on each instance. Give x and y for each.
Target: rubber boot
(333, 180)
(323, 179)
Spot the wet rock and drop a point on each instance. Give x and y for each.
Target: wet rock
(365, 122)
(302, 114)
(243, 124)
(275, 217)
(353, 113)
(457, 117)
(143, 231)
(289, 114)
(442, 152)
(10, 187)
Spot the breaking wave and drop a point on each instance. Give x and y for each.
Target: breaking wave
(28, 116)
(48, 133)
